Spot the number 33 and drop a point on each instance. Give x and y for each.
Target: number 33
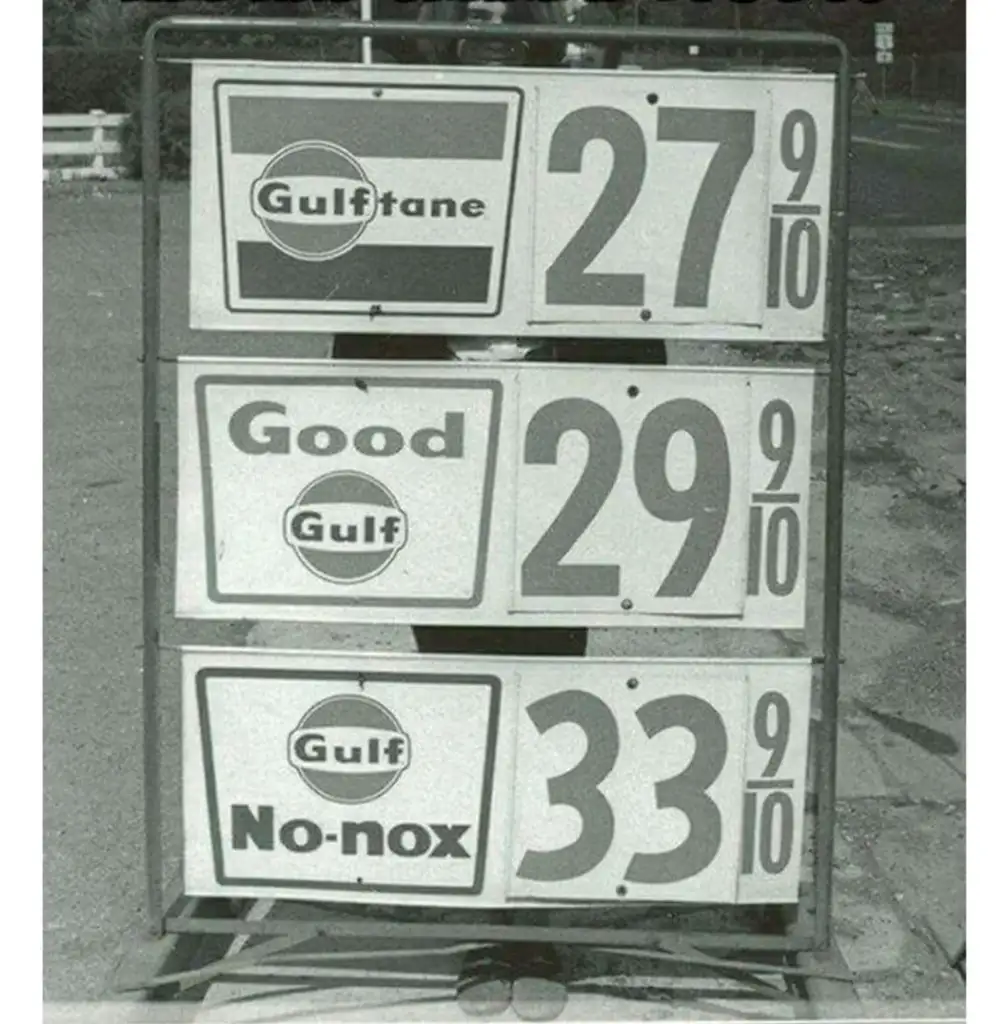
(578, 788)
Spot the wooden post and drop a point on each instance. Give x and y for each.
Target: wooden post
(98, 141)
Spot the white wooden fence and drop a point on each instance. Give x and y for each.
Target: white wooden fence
(101, 152)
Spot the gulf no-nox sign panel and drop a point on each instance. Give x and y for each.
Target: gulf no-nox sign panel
(342, 197)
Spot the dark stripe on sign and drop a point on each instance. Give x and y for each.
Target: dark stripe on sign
(400, 129)
(369, 273)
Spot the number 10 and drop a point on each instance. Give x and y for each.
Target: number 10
(780, 533)
(801, 246)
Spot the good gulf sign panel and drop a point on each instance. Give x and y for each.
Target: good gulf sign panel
(510, 202)
(518, 494)
(488, 782)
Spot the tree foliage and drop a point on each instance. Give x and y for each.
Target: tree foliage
(122, 23)
(921, 26)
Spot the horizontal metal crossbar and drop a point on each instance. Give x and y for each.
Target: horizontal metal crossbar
(592, 34)
(477, 932)
(267, 951)
(717, 967)
(283, 936)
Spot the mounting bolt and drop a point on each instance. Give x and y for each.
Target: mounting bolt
(621, 890)
(633, 391)
(626, 604)
(645, 314)
(375, 310)
(378, 93)
(632, 684)
(652, 98)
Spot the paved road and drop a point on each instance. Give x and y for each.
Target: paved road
(904, 173)
(908, 171)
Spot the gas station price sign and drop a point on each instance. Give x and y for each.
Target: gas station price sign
(513, 203)
(494, 782)
(493, 494)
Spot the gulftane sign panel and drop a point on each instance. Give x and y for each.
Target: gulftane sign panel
(526, 202)
(504, 494)
(334, 202)
(426, 781)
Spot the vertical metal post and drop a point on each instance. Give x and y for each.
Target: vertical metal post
(366, 44)
(737, 28)
(827, 750)
(151, 482)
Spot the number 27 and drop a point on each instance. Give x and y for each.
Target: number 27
(568, 280)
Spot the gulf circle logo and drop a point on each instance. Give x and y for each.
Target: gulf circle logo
(349, 749)
(346, 527)
(314, 200)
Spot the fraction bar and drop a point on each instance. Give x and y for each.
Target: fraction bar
(769, 784)
(771, 498)
(798, 208)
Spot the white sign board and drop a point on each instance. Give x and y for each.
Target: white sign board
(884, 56)
(884, 36)
(514, 203)
(434, 781)
(518, 494)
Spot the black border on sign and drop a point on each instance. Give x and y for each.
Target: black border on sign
(201, 384)
(201, 682)
(364, 308)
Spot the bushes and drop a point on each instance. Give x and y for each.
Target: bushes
(98, 62)
(76, 80)
(174, 133)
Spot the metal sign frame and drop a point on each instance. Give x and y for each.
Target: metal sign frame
(810, 933)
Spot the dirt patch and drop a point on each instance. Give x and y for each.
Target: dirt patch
(906, 367)
(906, 431)
(905, 499)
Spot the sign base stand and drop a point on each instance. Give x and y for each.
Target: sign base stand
(762, 955)
(760, 947)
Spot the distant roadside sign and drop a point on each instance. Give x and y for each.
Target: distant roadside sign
(534, 494)
(884, 35)
(421, 781)
(518, 202)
